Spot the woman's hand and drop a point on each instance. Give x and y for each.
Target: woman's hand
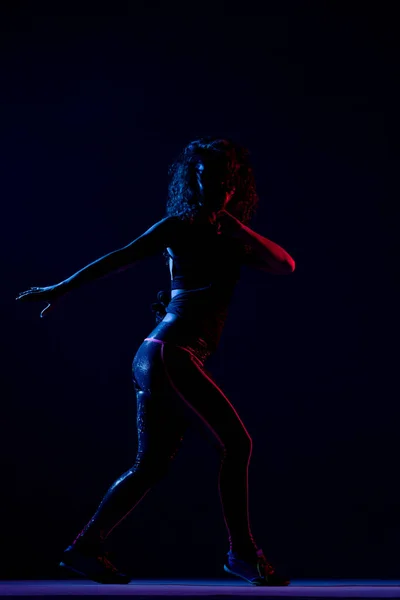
(49, 294)
(226, 223)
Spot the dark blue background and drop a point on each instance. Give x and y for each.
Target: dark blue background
(93, 109)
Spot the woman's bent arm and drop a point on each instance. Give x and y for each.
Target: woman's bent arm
(263, 253)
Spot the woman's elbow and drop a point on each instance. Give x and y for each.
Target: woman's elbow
(291, 265)
(286, 267)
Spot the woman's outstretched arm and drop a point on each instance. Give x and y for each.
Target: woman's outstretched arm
(262, 253)
(148, 244)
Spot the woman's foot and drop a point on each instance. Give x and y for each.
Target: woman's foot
(256, 570)
(92, 562)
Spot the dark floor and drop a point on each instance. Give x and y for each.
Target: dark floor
(210, 588)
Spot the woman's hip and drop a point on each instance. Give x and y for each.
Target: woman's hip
(184, 334)
(164, 369)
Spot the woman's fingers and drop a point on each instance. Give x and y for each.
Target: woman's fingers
(23, 295)
(39, 294)
(28, 294)
(34, 293)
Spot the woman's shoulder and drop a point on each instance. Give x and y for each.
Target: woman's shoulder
(168, 225)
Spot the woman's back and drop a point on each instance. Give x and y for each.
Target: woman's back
(204, 268)
(198, 256)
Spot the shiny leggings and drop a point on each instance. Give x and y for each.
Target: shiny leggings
(174, 391)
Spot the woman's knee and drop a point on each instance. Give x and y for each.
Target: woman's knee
(239, 447)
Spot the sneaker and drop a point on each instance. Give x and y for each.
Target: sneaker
(93, 565)
(256, 572)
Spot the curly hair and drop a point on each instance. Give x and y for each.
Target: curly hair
(227, 169)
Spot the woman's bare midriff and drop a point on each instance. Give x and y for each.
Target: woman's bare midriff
(172, 327)
(175, 330)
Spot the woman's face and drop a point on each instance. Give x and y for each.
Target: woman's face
(210, 179)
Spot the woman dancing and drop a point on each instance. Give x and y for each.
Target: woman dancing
(205, 239)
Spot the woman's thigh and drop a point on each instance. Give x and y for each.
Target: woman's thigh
(161, 422)
(202, 396)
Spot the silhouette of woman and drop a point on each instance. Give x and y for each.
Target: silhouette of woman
(205, 240)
